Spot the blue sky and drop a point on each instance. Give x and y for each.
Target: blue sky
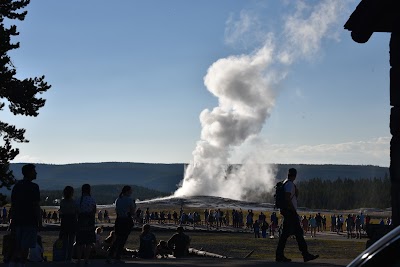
(128, 82)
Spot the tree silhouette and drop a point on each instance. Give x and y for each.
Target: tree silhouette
(19, 95)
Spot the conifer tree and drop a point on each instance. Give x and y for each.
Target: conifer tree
(20, 96)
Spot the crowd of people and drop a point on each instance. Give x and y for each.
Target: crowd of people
(79, 237)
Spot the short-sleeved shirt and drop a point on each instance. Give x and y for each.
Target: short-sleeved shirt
(123, 206)
(68, 206)
(291, 188)
(25, 197)
(86, 204)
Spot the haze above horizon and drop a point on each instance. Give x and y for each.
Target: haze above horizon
(127, 82)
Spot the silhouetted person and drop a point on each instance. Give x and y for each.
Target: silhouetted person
(85, 235)
(148, 243)
(69, 220)
(291, 222)
(26, 214)
(179, 243)
(125, 208)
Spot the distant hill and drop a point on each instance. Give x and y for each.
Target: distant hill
(166, 177)
(103, 194)
(161, 177)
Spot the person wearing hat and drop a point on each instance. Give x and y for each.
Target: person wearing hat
(179, 243)
(291, 222)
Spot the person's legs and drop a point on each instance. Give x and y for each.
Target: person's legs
(26, 237)
(87, 249)
(120, 245)
(283, 238)
(70, 238)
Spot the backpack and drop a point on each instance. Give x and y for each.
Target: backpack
(280, 201)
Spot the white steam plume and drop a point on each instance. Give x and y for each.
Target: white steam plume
(246, 88)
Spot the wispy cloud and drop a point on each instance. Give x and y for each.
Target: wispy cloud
(375, 151)
(244, 31)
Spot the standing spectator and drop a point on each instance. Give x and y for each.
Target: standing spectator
(69, 220)
(125, 208)
(5, 215)
(54, 217)
(26, 214)
(249, 220)
(358, 227)
(148, 243)
(179, 243)
(261, 217)
(349, 226)
(313, 225)
(256, 228)
(49, 214)
(274, 224)
(291, 224)
(304, 223)
(100, 216)
(362, 220)
(106, 216)
(318, 219)
(264, 227)
(85, 236)
(44, 216)
(324, 223)
(333, 223)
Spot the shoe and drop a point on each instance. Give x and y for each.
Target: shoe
(282, 259)
(310, 257)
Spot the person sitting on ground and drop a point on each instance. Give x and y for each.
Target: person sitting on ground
(148, 241)
(110, 239)
(98, 246)
(179, 243)
(163, 250)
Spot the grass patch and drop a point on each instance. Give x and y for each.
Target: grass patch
(238, 245)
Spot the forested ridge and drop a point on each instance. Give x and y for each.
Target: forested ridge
(103, 194)
(343, 194)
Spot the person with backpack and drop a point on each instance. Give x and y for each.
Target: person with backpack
(291, 223)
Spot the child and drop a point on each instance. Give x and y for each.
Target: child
(264, 228)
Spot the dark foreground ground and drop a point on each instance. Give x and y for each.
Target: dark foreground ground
(204, 262)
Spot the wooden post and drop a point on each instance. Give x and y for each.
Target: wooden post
(395, 125)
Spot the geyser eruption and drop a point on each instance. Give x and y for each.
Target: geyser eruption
(246, 87)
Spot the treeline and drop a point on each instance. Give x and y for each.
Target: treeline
(344, 193)
(103, 194)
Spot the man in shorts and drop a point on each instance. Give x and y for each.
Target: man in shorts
(26, 214)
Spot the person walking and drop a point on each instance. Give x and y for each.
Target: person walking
(69, 221)
(291, 223)
(85, 236)
(125, 208)
(26, 215)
